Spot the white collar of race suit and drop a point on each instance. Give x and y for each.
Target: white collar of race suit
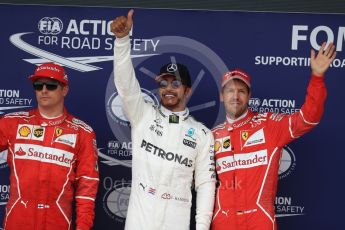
(241, 121)
(166, 112)
(231, 121)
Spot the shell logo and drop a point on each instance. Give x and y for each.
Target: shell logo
(217, 146)
(24, 131)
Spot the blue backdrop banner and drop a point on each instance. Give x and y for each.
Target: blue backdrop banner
(274, 48)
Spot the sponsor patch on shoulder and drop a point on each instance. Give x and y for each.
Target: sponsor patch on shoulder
(20, 113)
(189, 143)
(81, 123)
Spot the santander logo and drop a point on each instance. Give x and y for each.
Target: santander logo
(218, 168)
(241, 161)
(43, 154)
(20, 152)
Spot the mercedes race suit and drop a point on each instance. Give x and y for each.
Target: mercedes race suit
(248, 153)
(167, 150)
(52, 162)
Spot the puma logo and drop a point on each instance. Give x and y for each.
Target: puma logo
(24, 203)
(225, 212)
(142, 186)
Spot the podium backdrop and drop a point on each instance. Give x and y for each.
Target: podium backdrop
(274, 48)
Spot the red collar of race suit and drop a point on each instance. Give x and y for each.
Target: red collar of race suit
(50, 121)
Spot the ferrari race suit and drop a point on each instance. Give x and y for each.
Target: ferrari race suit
(52, 162)
(248, 153)
(167, 150)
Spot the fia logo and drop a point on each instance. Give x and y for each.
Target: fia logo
(49, 25)
(254, 102)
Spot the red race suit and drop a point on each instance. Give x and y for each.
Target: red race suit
(248, 152)
(52, 163)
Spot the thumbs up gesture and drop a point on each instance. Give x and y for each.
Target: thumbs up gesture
(122, 25)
